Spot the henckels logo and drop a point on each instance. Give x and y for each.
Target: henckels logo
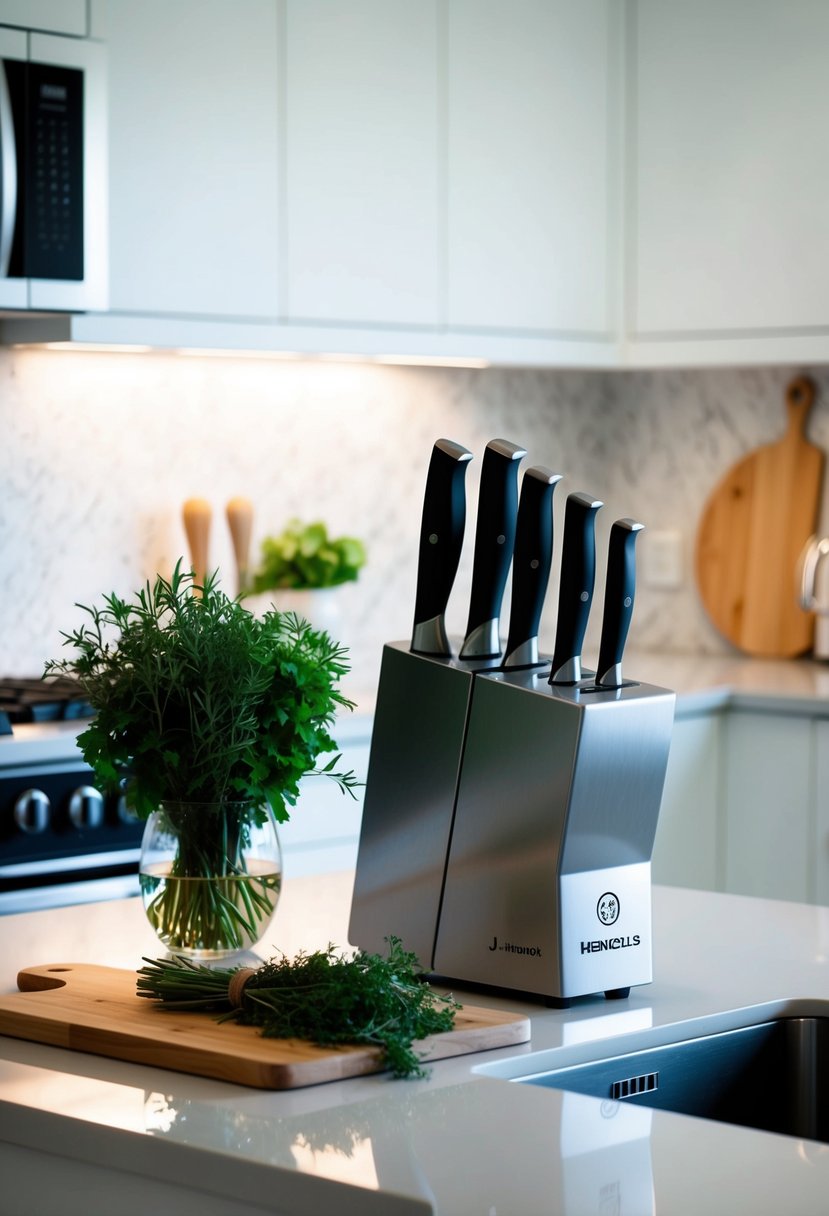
(607, 910)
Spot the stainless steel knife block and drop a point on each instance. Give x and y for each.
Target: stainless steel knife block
(533, 874)
(416, 746)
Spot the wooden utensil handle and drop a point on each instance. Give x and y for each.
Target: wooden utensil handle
(197, 514)
(239, 513)
(800, 397)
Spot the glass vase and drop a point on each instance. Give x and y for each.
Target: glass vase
(210, 875)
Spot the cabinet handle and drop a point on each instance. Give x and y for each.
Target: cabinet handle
(8, 175)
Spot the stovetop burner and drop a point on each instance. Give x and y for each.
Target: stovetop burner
(57, 699)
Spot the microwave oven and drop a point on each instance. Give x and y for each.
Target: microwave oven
(53, 174)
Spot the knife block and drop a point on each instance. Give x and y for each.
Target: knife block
(539, 876)
(414, 765)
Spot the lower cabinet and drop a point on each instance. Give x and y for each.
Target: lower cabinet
(820, 857)
(687, 845)
(746, 805)
(324, 829)
(769, 795)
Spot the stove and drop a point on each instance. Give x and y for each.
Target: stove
(61, 840)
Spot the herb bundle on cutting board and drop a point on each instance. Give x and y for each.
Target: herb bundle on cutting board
(323, 997)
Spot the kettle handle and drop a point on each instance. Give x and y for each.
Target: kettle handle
(813, 554)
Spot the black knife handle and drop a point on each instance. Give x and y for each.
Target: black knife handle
(494, 540)
(578, 577)
(531, 562)
(441, 539)
(620, 589)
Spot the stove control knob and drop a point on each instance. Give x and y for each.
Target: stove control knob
(125, 813)
(32, 811)
(86, 807)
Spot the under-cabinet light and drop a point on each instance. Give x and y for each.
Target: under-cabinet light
(432, 360)
(117, 348)
(274, 355)
(225, 352)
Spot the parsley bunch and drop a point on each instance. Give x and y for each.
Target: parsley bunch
(323, 997)
(198, 700)
(304, 555)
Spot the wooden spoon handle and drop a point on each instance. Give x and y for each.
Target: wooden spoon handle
(197, 514)
(800, 397)
(239, 513)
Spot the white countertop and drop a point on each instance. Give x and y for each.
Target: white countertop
(458, 1143)
(709, 682)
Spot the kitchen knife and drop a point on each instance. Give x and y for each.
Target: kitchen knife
(494, 540)
(531, 561)
(578, 576)
(239, 512)
(618, 601)
(441, 539)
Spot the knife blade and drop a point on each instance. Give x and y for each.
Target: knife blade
(619, 593)
(578, 577)
(531, 562)
(494, 540)
(441, 539)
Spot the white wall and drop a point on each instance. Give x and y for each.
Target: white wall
(100, 450)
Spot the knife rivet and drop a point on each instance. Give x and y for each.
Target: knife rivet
(433, 538)
(628, 601)
(584, 597)
(501, 539)
(534, 564)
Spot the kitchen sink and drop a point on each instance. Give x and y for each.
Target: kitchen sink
(773, 1076)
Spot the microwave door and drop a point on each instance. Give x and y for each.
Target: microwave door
(80, 67)
(14, 291)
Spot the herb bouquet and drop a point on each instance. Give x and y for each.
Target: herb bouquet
(325, 997)
(206, 718)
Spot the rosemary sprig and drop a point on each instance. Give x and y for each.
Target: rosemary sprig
(323, 997)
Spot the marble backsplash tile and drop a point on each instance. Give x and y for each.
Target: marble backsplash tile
(100, 450)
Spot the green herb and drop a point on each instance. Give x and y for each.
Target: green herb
(198, 700)
(324, 997)
(304, 556)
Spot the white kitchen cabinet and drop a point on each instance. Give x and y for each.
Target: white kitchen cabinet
(746, 805)
(362, 165)
(530, 160)
(821, 848)
(729, 164)
(373, 177)
(770, 799)
(323, 831)
(687, 847)
(193, 157)
(50, 16)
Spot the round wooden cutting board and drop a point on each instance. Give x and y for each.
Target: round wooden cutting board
(751, 537)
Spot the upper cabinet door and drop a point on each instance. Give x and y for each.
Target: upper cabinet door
(730, 166)
(193, 157)
(362, 171)
(531, 150)
(53, 16)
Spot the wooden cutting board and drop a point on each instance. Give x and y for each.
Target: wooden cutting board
(95, 1009)
(751, 536)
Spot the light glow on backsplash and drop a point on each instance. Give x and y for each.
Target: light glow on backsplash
(101, 450)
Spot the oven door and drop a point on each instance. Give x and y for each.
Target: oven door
(61, 841)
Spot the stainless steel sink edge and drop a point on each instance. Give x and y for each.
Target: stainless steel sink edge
(588, 1051)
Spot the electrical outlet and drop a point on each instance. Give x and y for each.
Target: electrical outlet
(661, 559)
